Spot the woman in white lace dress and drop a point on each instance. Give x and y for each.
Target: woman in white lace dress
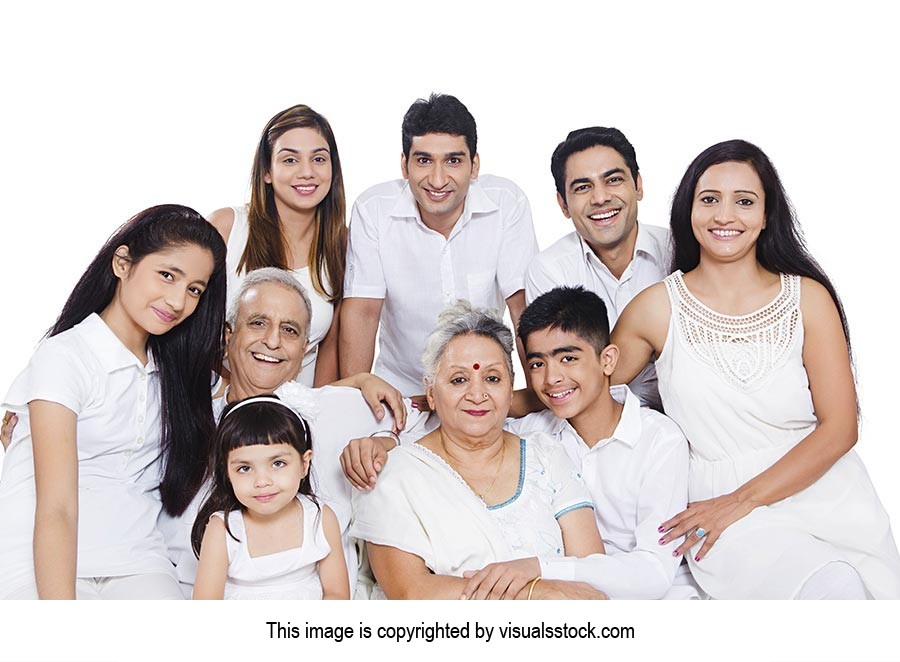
(753, 358)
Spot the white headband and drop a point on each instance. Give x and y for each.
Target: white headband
(264, 398)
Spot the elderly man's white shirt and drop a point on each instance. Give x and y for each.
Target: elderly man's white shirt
(571, 262)
(638, 478)
(392, 255)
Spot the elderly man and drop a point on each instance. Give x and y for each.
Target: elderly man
(266, 337)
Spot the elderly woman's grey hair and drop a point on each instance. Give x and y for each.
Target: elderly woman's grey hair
(268, 275)
(462, 319)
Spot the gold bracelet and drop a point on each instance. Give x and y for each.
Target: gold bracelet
(531, 588)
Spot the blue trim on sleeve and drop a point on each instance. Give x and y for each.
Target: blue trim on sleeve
(521, 478)
(583, 504)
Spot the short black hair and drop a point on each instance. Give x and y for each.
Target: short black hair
(582, 139)
(440, 113)
(571, 310)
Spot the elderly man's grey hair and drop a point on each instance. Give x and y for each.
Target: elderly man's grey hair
(268, 275)
(460, 319)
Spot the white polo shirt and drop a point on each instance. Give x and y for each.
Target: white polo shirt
(336, 415)
(638, 478)
(570, 262)
(116, 399)
(392, 255)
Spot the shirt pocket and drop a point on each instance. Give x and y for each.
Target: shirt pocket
(482, 288)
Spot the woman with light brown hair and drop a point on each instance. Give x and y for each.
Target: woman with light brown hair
(295, 221)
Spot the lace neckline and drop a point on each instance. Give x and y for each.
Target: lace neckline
(685, 290)
(744, 349)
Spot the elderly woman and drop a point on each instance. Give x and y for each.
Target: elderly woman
(469, 493)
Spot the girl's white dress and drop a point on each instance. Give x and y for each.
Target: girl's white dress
(739, 390)
(289, 575)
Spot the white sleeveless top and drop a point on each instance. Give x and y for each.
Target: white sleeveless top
(289, 575)
(739, 390)
(322, 310)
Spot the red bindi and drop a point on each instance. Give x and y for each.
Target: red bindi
(475, 366)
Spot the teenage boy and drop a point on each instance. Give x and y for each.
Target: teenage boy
(598, 186)
(634, 460)
(419, 243)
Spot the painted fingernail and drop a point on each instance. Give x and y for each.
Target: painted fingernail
(662, 541)
(414, 405)
(660, 529)
(697, 558)
(676, 553)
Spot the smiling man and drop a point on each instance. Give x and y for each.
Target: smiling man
(419, 243)
(598, 186)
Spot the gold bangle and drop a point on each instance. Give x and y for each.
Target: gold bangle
(531, 588)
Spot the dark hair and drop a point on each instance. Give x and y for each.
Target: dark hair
(187, 356)
(253, 424)
(265, 239)
(582, 139)
(780, 247)
(571, 310)
(440, 113)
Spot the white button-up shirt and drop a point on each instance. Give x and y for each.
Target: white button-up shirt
(571, 262)
(116, 399)
(393, 255)
(638, 478)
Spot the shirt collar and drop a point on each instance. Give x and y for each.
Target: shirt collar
(110, 351)
(629, 429)
(477, 202)
(643, 244)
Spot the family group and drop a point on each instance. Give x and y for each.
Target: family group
(208, 416)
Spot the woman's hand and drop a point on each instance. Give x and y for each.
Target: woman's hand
(6, 431)
(710, 518)
(500, 581)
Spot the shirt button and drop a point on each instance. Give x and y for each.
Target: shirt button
(141, 397)
(140, 440)
(140, 419)
(143, 377)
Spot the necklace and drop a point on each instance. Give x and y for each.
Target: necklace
(481, 495)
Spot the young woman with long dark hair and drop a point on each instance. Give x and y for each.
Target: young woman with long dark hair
(754, 364)
(295, 221)
(115, 415)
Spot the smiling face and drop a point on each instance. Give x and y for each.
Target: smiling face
(472, 402)
(162, 289)
(266, 347)
(266, 478)
(565, 371)
(601, 197)
(439, 170)
(728, 211)
(300, 172)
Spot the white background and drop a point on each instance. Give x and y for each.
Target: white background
(110, 108)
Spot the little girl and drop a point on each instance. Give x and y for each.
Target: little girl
(262, 534)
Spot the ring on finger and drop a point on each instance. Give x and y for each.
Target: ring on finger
(700, 532)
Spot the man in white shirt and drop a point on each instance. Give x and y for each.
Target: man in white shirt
(598, 186)
(634, 460)
(418, 244)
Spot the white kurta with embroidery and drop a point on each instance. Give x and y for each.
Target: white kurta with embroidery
(739, 390)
